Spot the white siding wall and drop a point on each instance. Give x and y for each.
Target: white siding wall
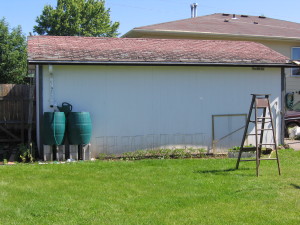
(283, 47)
(160, 105)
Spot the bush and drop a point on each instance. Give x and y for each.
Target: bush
(26, 153)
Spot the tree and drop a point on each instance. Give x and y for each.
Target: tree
(76, 18)
(13, 54)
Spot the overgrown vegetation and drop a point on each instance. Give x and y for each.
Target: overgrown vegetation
(157, 154)
(15, 153)
(26, 153)
(182, 191)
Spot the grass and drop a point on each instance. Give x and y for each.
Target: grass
(181, 191)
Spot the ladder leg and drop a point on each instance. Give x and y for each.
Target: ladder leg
(278, 163)
(245, 133)
(274, 140)
(256, 143)
(257, 166)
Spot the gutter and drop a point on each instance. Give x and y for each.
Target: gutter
(130, 63)
(210, 35)
(297, 62)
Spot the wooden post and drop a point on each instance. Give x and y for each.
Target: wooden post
(30, 119)
(22, 121)
(30, 113)
(213, 144)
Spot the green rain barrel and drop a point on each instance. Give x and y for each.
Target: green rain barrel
(79, 128)
(54, 127)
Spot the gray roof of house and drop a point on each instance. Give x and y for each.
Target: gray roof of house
(225, 24)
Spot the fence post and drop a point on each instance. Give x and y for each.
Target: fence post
(22, 121)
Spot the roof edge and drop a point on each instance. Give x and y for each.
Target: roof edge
(54, 62)
(130, 34)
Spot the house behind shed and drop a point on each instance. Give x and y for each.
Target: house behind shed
(157, 93)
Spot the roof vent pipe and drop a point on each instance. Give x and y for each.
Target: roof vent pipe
(194, 10)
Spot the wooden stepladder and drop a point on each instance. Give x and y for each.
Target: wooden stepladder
(261, 106)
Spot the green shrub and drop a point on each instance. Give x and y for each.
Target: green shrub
(26, 153)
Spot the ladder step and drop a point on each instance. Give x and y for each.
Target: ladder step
(261, 96)
(260, 107)
(252, 134)
(267, 144)
(265, 129)
(247, 160)
(264, 118)
(269, 159)
(259, 121)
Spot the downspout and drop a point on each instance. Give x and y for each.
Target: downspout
(39, 106)
(283, 90)
(52, 101)
(37, 112)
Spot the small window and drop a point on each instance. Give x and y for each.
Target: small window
(296, 56)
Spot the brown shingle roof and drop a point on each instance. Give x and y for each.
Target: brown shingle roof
(225, 24)
(133, 50)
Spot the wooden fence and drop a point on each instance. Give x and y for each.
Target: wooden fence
(17, 112)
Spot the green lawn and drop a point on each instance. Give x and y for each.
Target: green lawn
(180, 191)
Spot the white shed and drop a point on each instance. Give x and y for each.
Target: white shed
(157, 93)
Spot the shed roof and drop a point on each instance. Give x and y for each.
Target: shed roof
(226, 24)
(96, 50)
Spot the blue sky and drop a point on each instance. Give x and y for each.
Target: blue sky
(133, 13)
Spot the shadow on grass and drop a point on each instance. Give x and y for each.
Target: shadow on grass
(295, 186)
(226, 171)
